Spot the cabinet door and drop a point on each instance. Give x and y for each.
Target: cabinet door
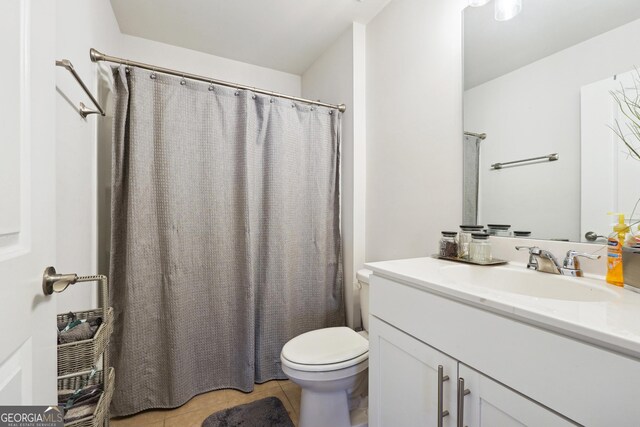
(404, 379)
(490, 404)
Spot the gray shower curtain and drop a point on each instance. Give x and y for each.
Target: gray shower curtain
(225, 235)
(470, 179)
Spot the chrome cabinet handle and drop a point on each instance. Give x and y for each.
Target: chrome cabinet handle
(462, 392)
(441, 379)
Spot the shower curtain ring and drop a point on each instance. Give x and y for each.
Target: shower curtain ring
(183, 81)
(153, 74)
(237, 92)
(211, 87)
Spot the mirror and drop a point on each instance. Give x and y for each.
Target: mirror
(539, 85)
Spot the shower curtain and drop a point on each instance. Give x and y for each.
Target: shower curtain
(225, 235)
(470, 179)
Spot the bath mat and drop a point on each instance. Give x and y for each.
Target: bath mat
(267, 412)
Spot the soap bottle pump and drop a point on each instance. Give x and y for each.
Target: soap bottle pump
(614, 251)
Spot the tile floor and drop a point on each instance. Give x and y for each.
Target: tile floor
(192, 413)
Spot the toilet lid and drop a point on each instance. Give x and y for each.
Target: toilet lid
(325, 346)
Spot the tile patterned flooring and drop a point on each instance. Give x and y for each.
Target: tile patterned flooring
(192, 413)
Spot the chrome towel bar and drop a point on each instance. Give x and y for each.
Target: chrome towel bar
(53, 281)
(550, 158)
(83, 110)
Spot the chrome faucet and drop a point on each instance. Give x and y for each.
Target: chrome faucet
(544, 261)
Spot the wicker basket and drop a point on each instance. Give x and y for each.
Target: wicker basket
(102, 408)
(82, 355)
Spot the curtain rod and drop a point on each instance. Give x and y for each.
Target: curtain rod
(98, 56)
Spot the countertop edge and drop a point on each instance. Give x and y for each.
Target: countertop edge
(556, 325)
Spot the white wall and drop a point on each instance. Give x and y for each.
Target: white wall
(414, 127)
(337, 76)
(535, 111)
(82, 24)
(178, 58)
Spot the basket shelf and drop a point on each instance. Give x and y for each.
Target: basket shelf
(101, 411)
(83, 355)
(77, 360)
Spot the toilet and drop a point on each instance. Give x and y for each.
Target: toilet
(331, 367)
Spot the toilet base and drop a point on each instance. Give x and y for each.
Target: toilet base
(332, 398)
(314, 413)
(313, 410)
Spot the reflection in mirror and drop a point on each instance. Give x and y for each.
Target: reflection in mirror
(540, 84)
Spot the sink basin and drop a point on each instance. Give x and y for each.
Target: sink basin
(530, 283)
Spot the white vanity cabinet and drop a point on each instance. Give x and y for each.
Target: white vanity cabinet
(413, 384)
(490, 404)
(517, 373)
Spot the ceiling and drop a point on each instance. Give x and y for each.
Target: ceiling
(285, 35)
(543, 28)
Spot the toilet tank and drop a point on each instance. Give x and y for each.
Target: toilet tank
(363, 280)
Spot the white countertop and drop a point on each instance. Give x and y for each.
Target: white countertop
(612, 324)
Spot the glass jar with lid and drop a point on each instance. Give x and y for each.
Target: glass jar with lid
(448, 244)
(464, 238)
(480, 248)
(499, 230)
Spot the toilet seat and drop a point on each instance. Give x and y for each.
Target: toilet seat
(324, 350)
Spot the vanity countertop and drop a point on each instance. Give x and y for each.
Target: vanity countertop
(613, 323)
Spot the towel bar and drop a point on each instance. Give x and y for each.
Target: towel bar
(550, 158)
(83, 110)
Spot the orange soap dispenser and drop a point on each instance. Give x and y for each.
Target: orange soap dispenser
(614, 251)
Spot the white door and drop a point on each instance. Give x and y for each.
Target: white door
(490, 404)
(27, 197)
(404, 380)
